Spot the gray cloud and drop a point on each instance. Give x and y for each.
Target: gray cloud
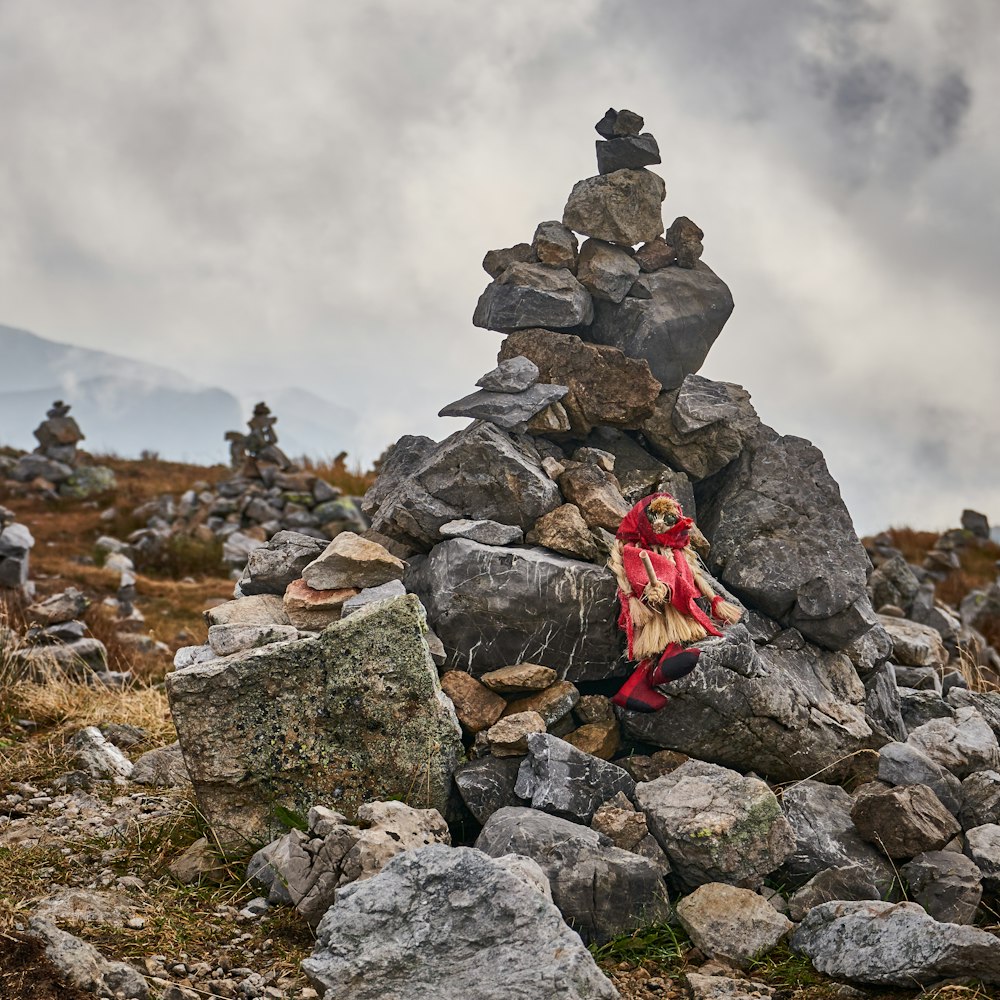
(300, 194)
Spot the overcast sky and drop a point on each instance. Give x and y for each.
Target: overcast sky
(265, 194)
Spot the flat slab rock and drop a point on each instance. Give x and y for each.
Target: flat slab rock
(894, 944)
(395, 936)
(493, 606)
(357, 711)
(527, 295)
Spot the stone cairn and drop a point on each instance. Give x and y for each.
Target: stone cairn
(55, 466)
(266, 494)
(459, 655)
(16, 543)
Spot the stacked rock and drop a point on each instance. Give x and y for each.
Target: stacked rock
(266, 494)
(16, 542)
(54, 466)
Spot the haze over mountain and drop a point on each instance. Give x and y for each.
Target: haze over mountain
(127, 406)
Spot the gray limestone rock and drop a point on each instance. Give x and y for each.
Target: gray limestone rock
(627, 153)
(894, 582)
(555, 245)
(400, 461)
(986, 703)
(33, 466)
(600, 889)
(946, 884)
(484, 532)
(350, 715)
(371, 595)
(487, 784)
(904, 821)
(962, 745)
(460, 478)
(258, 609)
(528, 295)
(227, 639)
(719, 987)
(715, 825)
(783, 540)
(98, 757)
(980, 799)
(920, 707)
(897, 944)
(787, 709)
(825, 836)
(735, 924)
(271, 568)
(513, 375)
(161, 768)
(847, 882)
(394, 936)
(905, 764)
(882, 706)
(509, 410)
(701, 426)
(497, 261)
(606, 271)
(560, 779)
(621, 207)
(673, 327)
(982, 845)
(914, 645)
(494, 606)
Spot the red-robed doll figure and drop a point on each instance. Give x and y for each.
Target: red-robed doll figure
(660, 583)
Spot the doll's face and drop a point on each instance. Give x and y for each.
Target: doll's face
(660, 520)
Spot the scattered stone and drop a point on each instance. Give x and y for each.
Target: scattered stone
(735, 924)
(476, 706)
(85, 906)
(848, 882)
(97, 757)
(715, 825)
(577, 859)
(904, 821)
(718, 987)
(520, 678)
(197, 862)
(530, 295)
(391, 935)
(621, 207)
(161, 768)
(946, 884)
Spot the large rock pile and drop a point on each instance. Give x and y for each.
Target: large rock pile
(267, 493)
(55, 466)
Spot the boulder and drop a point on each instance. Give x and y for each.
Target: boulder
(783, 541)
(606, 271)
(272, 567)
(393, 935)
(520, 678)
(980, 797)
(982, 845)
(487, 784)
(897, 944)
(787, 709)
(558, 778)
(620, 207)
(459, 479)
(731, 923)
(914, 645)
(672, 327)
(508, 410)
(701, 426)
(353, 714)
(493, 606)
(529, 295)
(904, 821)
(848, 882)
(600, 889)
(400, 461)
(904, 764)
(825, 836)
(962, 745)
(715, 825)
(605, 387)
(946, 884)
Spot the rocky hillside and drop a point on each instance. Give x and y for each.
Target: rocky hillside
(391, 765)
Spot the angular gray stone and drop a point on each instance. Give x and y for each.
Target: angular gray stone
(783, 541)
(484, 532)
(894, 582)
(920, 707)
(787, 709)
(513, 375)
(509, 410)
(560, 779)
(394, 936)
(962, 745)
(600, 889)
(97, 757)
(701, 426)
(731, 923)
(606, 271)
(980, 799)
(982, 845)
(918, 678)
(715, 825)
(161, 768)
(905, 764)
(627, 153)
(258, 609)
(400, 461)
(904, 821)
(462, 477)
(717, 987)
(621, 207)
(825, 836)
(494, 606)
(227, 639)
(39, 467)
(914, 645)
(882, 707)
(555, 245)
(848, 882)
(487, 784)
(271, 568)
(370, 595)
(893, 944)
(528, 295)
(673, 327)
(986, 703)
(946, 884)
(348, 716)
(497, 261)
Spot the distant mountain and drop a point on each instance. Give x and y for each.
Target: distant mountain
(127, 406)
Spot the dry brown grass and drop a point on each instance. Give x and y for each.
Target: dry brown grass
(353, 480)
